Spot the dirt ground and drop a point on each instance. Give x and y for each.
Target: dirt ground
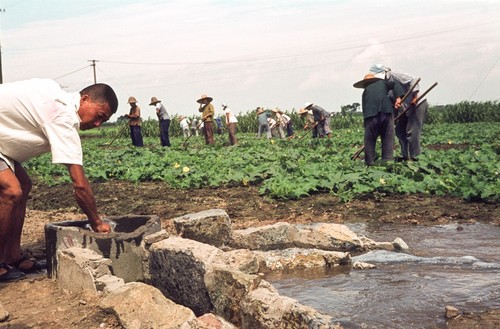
(37, 302)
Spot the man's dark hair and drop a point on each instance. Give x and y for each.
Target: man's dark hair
(102, 93)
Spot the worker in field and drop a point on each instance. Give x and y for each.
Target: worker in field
(134, 122)
(231, 124)
(163, 119)
(36, 117)
(409, 126)
(207, 117)
(263, 123)
(378, 115)
(308, 117)
(280, 122)
(184, 124)
(321, 119)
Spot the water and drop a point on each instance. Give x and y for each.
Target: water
(457, 265)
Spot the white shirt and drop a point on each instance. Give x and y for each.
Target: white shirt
(36, 117)
(184, 123)
(232, 117)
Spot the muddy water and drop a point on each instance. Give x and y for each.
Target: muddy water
(457, 265)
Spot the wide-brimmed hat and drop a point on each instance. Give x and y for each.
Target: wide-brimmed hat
(203, 97)
(302, 111)
(260, 110)
(367, 80)
(154, 100)
(181, 118)
(306, 105)
(132, 99)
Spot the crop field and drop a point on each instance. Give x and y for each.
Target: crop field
(459, 159)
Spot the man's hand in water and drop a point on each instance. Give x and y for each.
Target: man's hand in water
(100, 227)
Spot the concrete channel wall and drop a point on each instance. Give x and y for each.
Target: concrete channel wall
(194, 284)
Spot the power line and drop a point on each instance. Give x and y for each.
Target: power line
(65, 75)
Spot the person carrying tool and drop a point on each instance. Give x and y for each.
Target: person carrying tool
(207, 118)
(321, 118)
(231, 124)
(263, 123)
(37, 117)
(409, 126)
(134, 122)
(378, 115)
(164, 120)
(308, 117)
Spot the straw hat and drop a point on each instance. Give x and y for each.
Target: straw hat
(181, 118)
(260, 110)
(154, 100)
(132, 99)
(302, 111)
(203, 97)
(367, 80)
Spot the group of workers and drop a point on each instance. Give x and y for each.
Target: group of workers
(388, 93)
(37, 116)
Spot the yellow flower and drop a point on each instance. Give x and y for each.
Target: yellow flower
(382, 181)
(450, 142)
(185, 169)
(176, 165)
(245, 181)
(272, 141)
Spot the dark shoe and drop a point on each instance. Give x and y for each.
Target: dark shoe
(36, 265)
(400, 159)
(11, 275)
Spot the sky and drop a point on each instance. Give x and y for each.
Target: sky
(252, 53)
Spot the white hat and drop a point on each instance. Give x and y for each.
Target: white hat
(308, 104)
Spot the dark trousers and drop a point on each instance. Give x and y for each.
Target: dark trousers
(289, 128)
(164, 138)
(380, 125)
(409, 130)
(208, 131)
(231, 128)
(136, 136)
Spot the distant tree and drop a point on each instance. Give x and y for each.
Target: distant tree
(345, 109)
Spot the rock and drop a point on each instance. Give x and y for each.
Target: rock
(264, 308)
(363, 266)
(108, 283)
(4, 314)
(327, 236)
(399, 244)
(138, 305)
(295, 258)
(211, 321)
(211, 226)
(226, 288)
(155, 237)
(324, 236)
(450, 312)
(277, 236)
(77, 268)
(240, 259)
(178, 266)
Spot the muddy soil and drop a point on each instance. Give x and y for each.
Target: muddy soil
(37, 302)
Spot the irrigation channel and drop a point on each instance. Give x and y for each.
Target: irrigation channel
(454, 264)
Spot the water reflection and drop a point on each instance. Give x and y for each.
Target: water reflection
(447, 266)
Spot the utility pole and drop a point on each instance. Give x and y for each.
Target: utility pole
(1, 75)
(93, 65)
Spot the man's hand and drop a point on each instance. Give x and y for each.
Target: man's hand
(100, 227)
(397, 103)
